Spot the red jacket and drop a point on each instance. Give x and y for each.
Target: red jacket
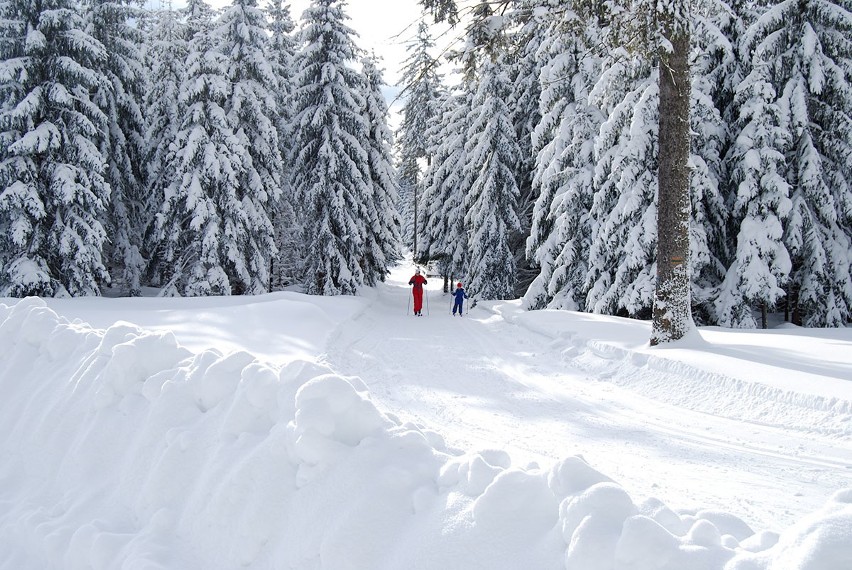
(418, 281)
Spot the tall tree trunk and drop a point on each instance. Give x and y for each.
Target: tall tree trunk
(672, 317)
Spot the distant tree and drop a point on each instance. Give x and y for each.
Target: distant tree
(52, 188)
(331, 173)
(408, 179)
(422, 89)
(446, 184)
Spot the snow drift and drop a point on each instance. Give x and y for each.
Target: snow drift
(122, 449)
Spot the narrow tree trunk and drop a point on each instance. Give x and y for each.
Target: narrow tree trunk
(414, 246)
(672, 317)
(764, 318)
(787, 304)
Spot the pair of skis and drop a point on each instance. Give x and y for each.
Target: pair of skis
(426, 296)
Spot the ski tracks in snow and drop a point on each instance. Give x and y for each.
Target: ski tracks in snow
(484, 381)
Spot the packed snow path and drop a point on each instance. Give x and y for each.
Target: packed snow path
(486, 380)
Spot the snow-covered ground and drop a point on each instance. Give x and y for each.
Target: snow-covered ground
(287, 431)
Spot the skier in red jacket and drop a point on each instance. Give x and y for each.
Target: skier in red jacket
(417, 282)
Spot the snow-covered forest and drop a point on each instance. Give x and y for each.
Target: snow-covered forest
(244, 150)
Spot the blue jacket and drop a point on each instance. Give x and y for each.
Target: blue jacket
(460, 295)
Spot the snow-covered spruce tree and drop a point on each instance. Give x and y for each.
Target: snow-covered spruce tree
(121, 99)
(529, 19)
(807, 46)
(331, 175)
(756, 160)
(282, 51)
(252, 114)
(422, 87)
(52, 188)
(560, 236)
(198, 16)
(167, 52)
(624, 211)
(446, 183)
(491, 204)
(713, 66)
(382, 238)
(201, 228)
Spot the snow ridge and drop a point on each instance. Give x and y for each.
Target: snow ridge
(691, 386)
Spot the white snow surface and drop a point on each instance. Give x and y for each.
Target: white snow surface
(287, 431)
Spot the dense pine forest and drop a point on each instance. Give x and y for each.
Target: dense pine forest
(239, 151)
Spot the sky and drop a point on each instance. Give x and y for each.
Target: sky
(384, 28)
(289, 431)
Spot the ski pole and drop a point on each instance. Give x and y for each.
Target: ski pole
(409, 305)
(426, 294)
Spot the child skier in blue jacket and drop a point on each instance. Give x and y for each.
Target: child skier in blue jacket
(460, 296)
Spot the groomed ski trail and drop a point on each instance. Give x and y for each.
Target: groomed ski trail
(547, 409)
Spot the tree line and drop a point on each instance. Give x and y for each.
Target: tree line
(202, 152)
(544, 173)
(227, 152)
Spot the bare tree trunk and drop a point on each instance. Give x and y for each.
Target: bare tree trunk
(672, 317)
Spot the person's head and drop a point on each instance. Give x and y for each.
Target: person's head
(417, 271)
(459, 285)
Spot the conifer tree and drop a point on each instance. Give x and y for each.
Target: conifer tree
(52, 188)
(713, 67)
(422, 88)
(761, 265)
(382, 238)
(529, 18)
(198, 16)
(624, 211)
(806, 44)
(331, 175)
(122, 142)
(282, 51)
(445, 186)
(201, 227)
(252, 115)
(167, 53)
(491, 204)
(672, 312)
(409, 181)
(560, 235)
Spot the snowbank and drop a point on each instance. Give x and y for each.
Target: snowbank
(122, 449)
